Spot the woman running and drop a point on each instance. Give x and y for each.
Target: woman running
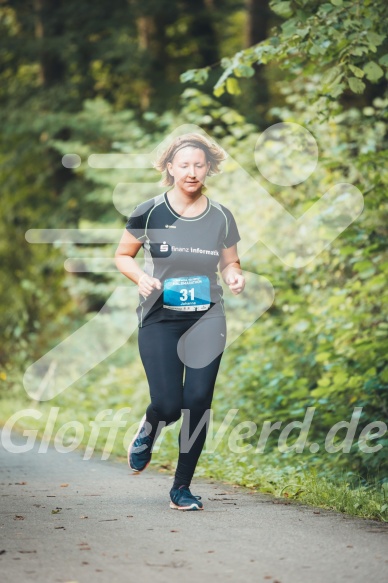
(186, 237)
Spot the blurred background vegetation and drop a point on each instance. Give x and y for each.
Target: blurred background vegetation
(120, 76)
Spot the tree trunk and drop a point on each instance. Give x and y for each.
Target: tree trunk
(258, 14)
(201, 28)
(257, 21)
(48, 26)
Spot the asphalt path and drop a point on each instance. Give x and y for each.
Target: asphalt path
(66, 519)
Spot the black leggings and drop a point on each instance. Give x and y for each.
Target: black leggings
(162, 355)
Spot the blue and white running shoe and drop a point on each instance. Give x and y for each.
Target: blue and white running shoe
(139, 450)
(183, 499)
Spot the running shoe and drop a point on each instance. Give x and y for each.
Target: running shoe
(183, 499)
(139, 450)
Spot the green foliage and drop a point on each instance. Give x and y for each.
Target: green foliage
(342, 41)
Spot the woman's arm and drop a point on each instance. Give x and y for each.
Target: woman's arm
(125, 253)
(230, 269)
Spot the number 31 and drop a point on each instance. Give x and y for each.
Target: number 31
(185, 292)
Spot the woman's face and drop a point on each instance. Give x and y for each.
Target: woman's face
(189, 169)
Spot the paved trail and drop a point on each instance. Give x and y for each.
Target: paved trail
(111, 526)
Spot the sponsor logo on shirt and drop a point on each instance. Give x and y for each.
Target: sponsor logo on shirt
(164, 247)
(194, 250)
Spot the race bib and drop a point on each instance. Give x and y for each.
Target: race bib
(187, 294)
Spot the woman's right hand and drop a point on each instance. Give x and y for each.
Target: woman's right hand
(147, 284)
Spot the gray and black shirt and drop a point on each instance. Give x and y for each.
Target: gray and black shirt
(183, 253)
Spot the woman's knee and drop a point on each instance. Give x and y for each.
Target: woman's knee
(167, 413)
(197, 402)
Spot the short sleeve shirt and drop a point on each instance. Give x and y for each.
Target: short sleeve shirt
(181, 247)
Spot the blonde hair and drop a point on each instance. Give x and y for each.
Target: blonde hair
(214, 154)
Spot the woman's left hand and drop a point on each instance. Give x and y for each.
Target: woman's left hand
(236, 283)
